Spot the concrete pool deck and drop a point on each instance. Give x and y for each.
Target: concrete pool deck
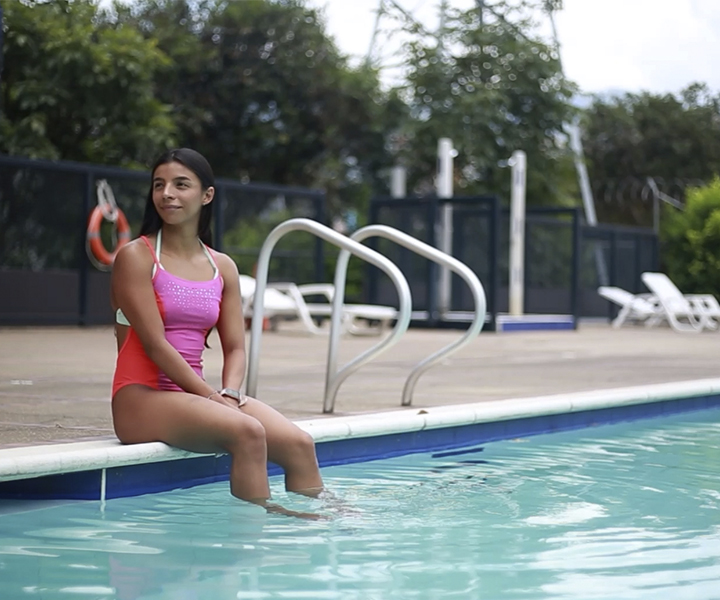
(55, 381)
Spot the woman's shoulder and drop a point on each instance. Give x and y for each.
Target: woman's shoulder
(224, 259)
(134, 252)
(227, 265)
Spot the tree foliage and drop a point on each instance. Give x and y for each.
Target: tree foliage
(77, 89)
(261, 90)
(492, 88)
(691, 241)
(673, 138)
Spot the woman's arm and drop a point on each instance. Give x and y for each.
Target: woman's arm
(231, 325)
(133, 292)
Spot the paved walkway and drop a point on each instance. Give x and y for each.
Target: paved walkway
(55, 382)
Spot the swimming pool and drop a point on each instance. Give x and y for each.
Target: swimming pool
(629, 510)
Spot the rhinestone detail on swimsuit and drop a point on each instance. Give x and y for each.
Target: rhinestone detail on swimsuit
(195, 298)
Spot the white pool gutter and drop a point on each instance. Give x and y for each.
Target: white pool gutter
(51, 459)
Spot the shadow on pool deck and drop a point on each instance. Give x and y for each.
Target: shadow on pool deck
(55, 382)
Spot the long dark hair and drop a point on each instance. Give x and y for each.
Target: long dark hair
(199, 165)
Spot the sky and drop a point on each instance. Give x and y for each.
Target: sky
(659, 46)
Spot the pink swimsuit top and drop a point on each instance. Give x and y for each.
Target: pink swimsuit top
(189, 309)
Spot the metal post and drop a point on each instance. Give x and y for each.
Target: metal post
(432, 294)
(83, 266)
(321, 217)
(398, 182)
(587, 197)
(527, 236)
(444, 186)
(613, 258)
(575, 269)
(493, 258)
(613, 267)
(434, 255)
(518, 163)
(657, 196)
(585, 190)
(372, 293)
(341, 241)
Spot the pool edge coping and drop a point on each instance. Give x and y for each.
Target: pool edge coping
(30, 462)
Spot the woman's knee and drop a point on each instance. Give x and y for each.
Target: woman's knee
(247, 434)
(305, 443)
(298, 448)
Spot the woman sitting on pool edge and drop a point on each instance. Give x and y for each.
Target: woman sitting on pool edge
(169, 290)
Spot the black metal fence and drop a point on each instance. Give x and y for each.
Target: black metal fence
(614, 255)
(565, 260)
(475, 242)
(45, 274)
(46, 277)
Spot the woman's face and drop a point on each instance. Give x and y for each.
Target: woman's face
(178, 195)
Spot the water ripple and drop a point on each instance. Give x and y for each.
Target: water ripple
(621, 512)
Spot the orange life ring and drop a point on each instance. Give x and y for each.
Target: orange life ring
(95, 244)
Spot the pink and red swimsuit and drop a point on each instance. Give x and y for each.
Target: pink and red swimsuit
(189, 309)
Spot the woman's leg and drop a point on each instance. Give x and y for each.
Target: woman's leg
(288, 446)
(193, 423)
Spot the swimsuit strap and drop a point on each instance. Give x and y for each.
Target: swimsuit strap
(158, 249)
(155, 253)
(158, 245)
(211, 258)
(147, 243)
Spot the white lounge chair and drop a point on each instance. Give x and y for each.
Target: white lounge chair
(707, 306)
(677, 309)
(633, 307)
(287, 300)
(276, 304)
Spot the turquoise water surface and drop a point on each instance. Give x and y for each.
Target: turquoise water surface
(617, 512)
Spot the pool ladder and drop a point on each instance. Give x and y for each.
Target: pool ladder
(352, 246)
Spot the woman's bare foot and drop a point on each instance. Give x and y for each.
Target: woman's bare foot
(280, 510)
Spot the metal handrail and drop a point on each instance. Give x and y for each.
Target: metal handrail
(348, 246)
(332, 379)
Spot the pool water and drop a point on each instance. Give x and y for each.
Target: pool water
(627, 511)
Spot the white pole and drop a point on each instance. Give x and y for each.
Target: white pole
(398, 179)
(444, 186)
(587, 197)
(579, 160)
(518, 162)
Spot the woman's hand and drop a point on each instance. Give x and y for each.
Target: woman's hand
(227, 401)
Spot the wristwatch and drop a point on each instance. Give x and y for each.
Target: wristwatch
(234, 394)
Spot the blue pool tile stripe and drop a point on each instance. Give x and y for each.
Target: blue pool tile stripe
(74, 470)
(435, 440)
(147, 478)
(509, 323)
(80, 485)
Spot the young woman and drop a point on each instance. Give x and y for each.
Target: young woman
(169, 290)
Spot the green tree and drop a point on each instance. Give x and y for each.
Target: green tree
(492, 88)
(691, 241)
(674, 138)
(260, 89)
(74, 88)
